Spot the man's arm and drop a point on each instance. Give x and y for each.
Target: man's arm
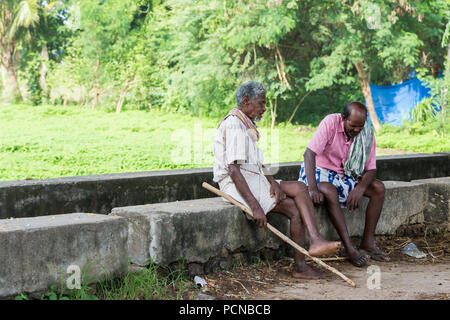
(368, 177)
(309, 162)
(243, 188)
(356, 194)
(275, 189)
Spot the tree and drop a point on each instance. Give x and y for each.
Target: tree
(211, 47)
(358, 37)
(45, 46)
(15, 18)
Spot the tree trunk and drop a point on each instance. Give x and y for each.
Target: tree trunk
(273, 113)
(123, 92)
(4, 78)
(43, 71)
(298, 105)
(364, 81)
(281, 70)
(8, 64)
(96, 91)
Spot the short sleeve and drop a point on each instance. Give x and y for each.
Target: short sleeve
(322, 135)
(371, 162)
(236, 141)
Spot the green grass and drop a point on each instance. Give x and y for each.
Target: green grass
(50, 141)
(150, 283)
(417, 137)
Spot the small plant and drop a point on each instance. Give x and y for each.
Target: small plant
(151, 283)
(424, 111)
(258, 262)
(22, 297)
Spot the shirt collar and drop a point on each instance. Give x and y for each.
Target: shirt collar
(340, 127)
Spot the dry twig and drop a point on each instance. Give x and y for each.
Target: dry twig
(241, 285)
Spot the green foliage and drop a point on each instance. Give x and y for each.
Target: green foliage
(75, 294)
(150, 282)
(416, 137)
(371, 32)
(431, 112)
(22, 297)
(16, 19)
(424, 111)
(31, 75)
(214, 46)
(189, 56)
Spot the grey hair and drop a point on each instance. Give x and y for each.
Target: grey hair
(251, 89)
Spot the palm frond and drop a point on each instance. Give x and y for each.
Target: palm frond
(25, 15)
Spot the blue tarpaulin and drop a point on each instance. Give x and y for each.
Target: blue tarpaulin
(394, 103)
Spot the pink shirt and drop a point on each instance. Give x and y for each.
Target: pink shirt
(331, 145)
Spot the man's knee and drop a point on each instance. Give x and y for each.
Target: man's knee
(288, 208)
(300, 188)
(378, 188)
(328, 190)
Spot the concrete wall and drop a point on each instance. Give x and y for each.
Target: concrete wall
(101, 193)
(36, 253)
(200, 230)
(204, 235)
(438, 203)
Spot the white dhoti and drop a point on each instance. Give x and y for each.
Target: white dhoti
(259, 187)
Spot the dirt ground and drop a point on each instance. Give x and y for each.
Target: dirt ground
(403, 278)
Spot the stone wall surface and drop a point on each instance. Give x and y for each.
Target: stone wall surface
(151, 215)
(438, 205)
(197, 230)
(35, 253)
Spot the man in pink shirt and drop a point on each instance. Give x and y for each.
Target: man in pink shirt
(331, 179)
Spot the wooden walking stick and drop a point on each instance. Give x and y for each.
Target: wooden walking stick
(277, 232)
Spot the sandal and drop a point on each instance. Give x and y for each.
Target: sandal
(377, 255)
(361, 260)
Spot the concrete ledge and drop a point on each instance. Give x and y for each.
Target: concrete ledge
(206, 234)
(36, 252)
(194, 230)
(101, 193)
(403, 204)
(198, 230)
(413, 166)
(438, 204)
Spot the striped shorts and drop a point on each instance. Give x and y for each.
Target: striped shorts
(343, 183)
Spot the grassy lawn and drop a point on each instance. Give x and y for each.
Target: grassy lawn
(52, 141)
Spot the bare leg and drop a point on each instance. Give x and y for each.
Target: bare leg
(299, 193)
(288, 208)
(337, 217)
(375, 192)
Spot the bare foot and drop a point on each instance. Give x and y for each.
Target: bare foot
(306, 272)
(322, 247)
